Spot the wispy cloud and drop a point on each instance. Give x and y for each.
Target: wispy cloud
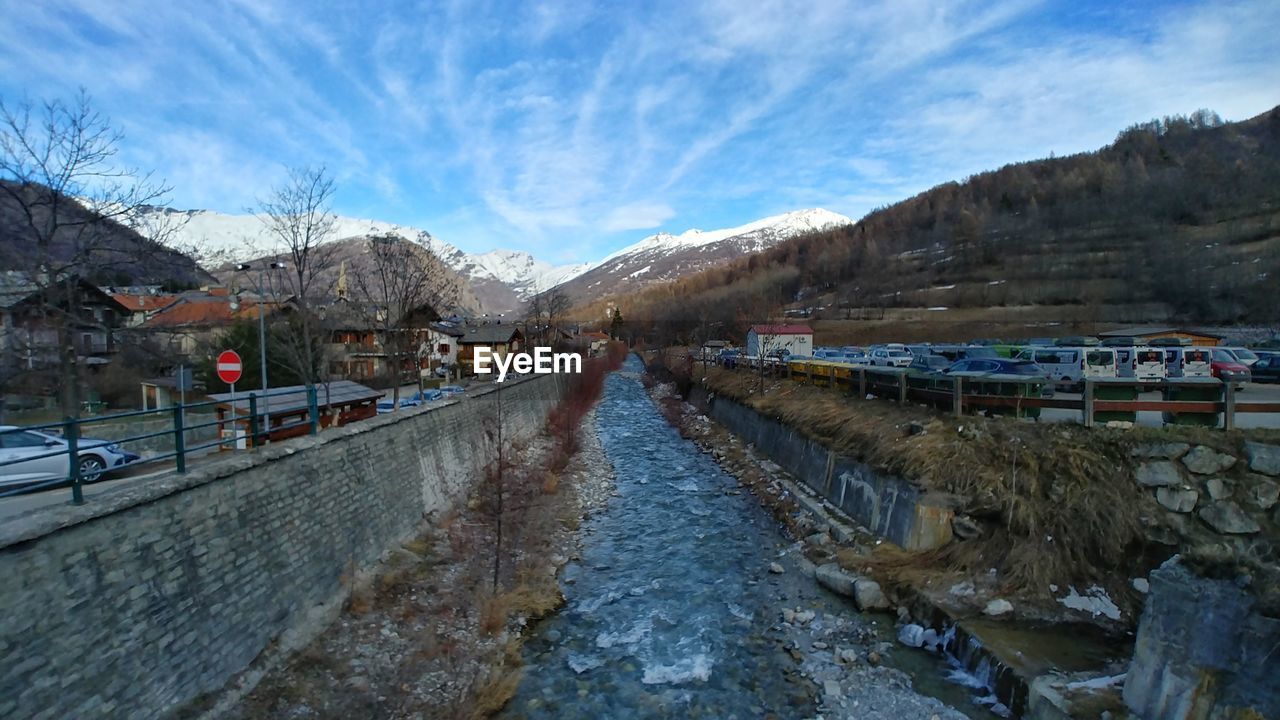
(569, 128)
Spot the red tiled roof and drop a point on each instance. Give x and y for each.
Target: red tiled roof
(144, 303)
(594, 335)
(782, 329)
(205, 312)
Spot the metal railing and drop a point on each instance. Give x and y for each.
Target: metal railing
(63, 441)
(1193, 401)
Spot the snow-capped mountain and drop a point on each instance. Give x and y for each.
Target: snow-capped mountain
(664, 256)
(502, 279)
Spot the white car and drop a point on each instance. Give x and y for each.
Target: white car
(890, 357)
(32, 456)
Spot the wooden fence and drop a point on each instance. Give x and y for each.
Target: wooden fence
(1195, 401)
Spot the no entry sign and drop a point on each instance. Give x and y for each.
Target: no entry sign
(229, 366)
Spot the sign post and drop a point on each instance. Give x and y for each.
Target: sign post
(229, 369)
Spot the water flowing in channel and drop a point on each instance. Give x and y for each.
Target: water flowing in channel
(662, 617)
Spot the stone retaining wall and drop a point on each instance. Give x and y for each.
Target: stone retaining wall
(154, 594)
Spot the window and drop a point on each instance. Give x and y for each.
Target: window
(1100, 359)
(10, 441)
(443, 348)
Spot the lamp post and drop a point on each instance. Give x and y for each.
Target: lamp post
(262, 325)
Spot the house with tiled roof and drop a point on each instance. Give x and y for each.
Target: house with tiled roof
(28, 331)
(196, 319)
(780, 339)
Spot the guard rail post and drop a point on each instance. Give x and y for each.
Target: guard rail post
(957, 395)
(1088, 402)
(1229, 406)
(862, 383)
(902, 388)
(71, 431)
(253, 420)
(179, 439)
(313, 409)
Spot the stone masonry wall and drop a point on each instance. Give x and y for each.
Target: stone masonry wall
(153, 595)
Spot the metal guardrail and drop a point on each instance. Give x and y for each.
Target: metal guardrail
(66, 436)
(1022, 396)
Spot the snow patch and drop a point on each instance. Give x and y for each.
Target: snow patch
(1095, 601)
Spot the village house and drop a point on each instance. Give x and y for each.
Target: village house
(194, 322)
(29, 330)
(499, 339)
(791, 339)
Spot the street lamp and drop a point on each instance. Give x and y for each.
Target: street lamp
(262, 323)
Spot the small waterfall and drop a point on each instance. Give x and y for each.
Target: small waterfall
(973, 667)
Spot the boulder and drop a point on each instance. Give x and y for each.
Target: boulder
(836, 580)
(911, 635)
(1204, 460)
(776, 569)
(818, 539)
(998, 607)
(1158, 473)
(1217, 488)
(965, 527)
(868, 595)
(1227, 518)
(1265, 493)
(1263, 458)
(1142, 585)
(1182, 500)
(1161, 451)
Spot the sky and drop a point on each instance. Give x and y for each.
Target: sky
(571, 129)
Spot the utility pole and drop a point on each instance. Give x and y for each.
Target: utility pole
(262, 327)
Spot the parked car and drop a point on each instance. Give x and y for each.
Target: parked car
(36, 456)
(929, 363)
(428, 395)
(729, 358)
(982, 367)
(889, 357)
(451, 390)
(1267, 369)
(1224, 365)
(1246, 356)
(389, 405)
(855, 358)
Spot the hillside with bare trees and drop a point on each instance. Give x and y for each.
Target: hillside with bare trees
(1177, 220)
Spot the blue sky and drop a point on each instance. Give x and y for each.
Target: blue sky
(570, 129)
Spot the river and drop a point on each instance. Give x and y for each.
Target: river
(670, 609)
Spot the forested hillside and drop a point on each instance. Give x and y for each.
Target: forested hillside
(1177, 220)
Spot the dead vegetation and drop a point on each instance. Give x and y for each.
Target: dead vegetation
(1057, 503)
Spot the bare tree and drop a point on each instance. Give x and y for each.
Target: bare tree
(545, 308)
(403, 286)
(300, 220)
(66, 196)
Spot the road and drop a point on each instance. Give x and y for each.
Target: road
(137, 474)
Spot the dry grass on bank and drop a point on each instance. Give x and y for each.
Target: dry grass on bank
(1059, 501)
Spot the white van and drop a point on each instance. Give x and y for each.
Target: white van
(1069, 366)
(1142, 363)
(1063, 365)
(1185, 362)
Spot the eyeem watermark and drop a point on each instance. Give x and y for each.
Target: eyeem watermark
(541, 362)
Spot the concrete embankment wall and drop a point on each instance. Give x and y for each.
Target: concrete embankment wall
(889, 506)
(153, 595)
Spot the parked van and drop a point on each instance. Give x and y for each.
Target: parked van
(1185, 362)
(1099, 362)
(1063, 365)
(1140, 362)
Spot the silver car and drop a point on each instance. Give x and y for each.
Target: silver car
(33, 456)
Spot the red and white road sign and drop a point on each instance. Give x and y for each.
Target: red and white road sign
(229, 367)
